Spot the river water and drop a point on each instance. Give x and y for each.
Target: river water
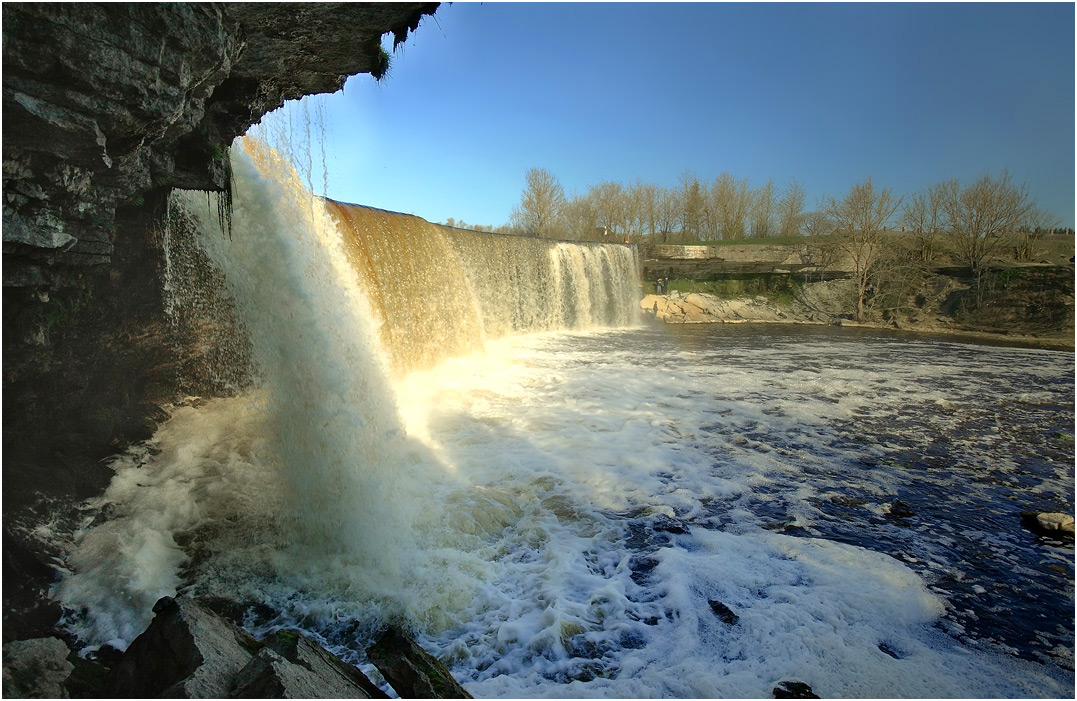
(648, 511)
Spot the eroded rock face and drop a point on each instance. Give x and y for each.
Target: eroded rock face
(105, 102)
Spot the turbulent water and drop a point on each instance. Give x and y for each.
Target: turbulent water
(614, 510)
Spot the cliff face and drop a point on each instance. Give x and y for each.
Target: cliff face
(104, 103)
(107, 107)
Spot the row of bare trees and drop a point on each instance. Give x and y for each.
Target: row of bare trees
(692, 211)
(983, 221)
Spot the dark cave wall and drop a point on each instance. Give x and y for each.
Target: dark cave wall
(107, 107)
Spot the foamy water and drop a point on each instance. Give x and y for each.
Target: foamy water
(555, 515)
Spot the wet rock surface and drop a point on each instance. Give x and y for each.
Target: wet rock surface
(186, 652)
(410, 670)
(190, 651)
(793, 690)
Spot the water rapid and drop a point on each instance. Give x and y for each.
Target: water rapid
(470, 436)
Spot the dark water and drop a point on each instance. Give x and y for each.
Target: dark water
(962, 437)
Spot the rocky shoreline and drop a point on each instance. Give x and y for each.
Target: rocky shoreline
(191, 651)
(679, 307)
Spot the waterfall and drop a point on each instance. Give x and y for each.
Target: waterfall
(309, 475)
(440, 292)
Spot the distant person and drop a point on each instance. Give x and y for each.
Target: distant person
(658, 286)
(655, 310)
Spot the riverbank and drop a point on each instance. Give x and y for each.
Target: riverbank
(814, 305)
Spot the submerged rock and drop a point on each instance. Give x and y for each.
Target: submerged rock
(411, 671)
(793, 690)
(36, 669)
(900, 509)
(724, 613)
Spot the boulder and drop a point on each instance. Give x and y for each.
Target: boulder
(189, 651)
(186, 652)
(411, 671)
(36, 669)
(270, 675)
(291, 666)
(793, 690)
(724, 613)
(1056, 525)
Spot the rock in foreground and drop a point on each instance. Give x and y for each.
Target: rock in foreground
(189, 651)
(411, 671)
(1055, 525)
(36, 668)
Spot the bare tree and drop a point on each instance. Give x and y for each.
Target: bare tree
(817, 224)
(731, 202)
(860, 220)
(762, 214)
(609, 203)
(541, 203)
(791, 210)
(924, 217)
(983, 217)
(667, 214)
(1035, 224)
(692, 206)
(895, 277)
(579, 218)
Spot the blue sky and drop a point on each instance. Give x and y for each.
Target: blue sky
(828, 94)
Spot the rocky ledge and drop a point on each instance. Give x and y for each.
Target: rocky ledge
(189, 651)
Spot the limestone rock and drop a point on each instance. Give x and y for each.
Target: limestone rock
(36, 669)
(411, 671)
(186, 652)
(1056, 525)
(104, 102)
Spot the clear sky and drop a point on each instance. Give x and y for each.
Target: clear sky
(828, 94)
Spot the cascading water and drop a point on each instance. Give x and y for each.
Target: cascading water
(441, 292)
(567, 514)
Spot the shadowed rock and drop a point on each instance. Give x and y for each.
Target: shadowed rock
(411, 671)
(724, 613)
(291, 666)
(793, 690)
(187, 652)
